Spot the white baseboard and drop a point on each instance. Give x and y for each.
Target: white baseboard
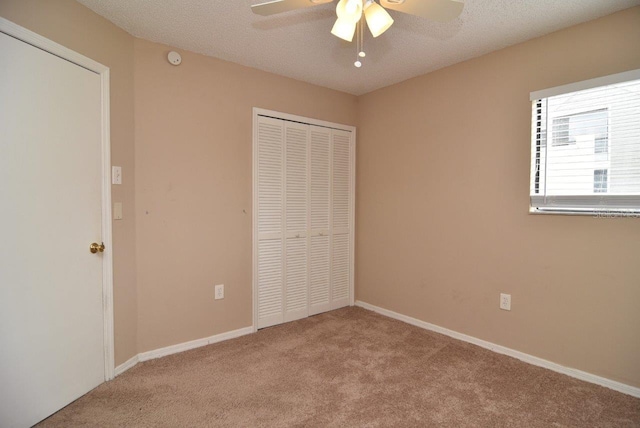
(181, 347)
(126, 365)
(578, 374)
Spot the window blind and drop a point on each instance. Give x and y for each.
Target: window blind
(586, 146)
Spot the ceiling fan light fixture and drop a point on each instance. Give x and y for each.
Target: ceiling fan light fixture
(344, 29)
(349, 10)
(378, 19)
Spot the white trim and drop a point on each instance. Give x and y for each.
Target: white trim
(40, 42)
(181, 347)
(536, 361)
(611, 79)
(595, 213)
(126, 365)
(332, 237)
(107, 235)
(254, 222)
(60, 51)
(591, 203)
(352, 220)
(307, 120)
(254, 233)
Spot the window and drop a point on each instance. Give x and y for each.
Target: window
(561, 134)
(592, 161)
(602, 145)
(600, 181)
(569, 129)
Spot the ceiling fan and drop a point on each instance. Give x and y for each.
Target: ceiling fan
(378, 19)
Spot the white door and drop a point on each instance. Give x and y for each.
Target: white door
(283, 218)
(51, 309)
(320, 190)
(303, 230)
(270, 221)
(340, 219)
(296, 136)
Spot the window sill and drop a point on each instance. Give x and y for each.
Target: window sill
(601, 214)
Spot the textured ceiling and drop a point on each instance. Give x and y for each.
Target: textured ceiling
(298, 44)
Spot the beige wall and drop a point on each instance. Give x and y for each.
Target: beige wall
(442, 221)
(76, 27)
(194, 186)
(193, 139)
(442, 194)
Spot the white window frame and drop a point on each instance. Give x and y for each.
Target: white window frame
(610, 204)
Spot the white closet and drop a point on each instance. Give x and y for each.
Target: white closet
(303, 217)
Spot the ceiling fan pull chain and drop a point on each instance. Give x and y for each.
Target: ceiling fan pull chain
(361, 53)
(359, 43)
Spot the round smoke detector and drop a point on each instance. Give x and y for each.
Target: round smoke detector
(174, 58)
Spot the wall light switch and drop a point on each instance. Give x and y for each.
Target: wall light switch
(117, 211)
(116, 175)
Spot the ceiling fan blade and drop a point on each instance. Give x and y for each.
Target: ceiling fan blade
(279, 6)
(436, 10)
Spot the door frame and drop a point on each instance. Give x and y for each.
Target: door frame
(13, 30)
(254, 220)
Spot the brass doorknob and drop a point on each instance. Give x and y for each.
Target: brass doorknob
(95, 247)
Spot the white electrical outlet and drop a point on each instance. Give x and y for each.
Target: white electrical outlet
(505, 301)
(219, 292)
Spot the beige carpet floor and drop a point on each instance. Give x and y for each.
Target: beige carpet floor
(346, 368)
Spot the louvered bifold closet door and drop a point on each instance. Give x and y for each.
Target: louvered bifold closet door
(320, 189)
(303, 249)
(340, 219)
(270, 183)
(296, 295)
